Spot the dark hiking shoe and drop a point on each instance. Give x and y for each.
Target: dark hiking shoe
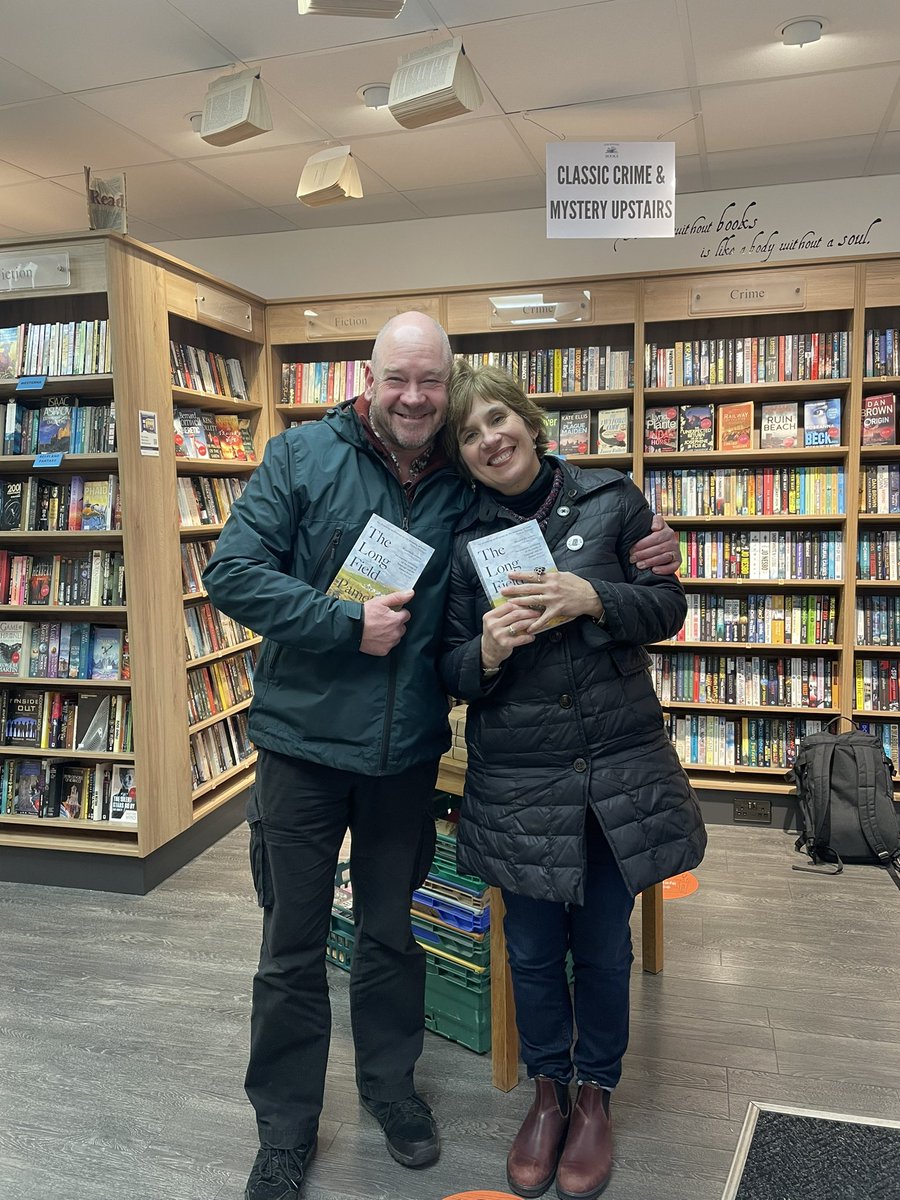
(409, 1129)
(278, 1174)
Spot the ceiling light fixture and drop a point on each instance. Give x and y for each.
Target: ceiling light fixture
(801, 30)
(374, 95)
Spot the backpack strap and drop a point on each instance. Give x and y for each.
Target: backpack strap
(819, 782)
(866, 805)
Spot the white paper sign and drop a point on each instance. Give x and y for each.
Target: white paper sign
(610, 189)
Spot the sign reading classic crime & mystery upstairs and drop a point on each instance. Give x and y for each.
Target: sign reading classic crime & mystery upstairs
(610, 189)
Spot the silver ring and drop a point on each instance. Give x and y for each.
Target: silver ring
(674, 556)
(513, 629)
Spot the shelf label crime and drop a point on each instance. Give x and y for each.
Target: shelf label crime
(610, 189)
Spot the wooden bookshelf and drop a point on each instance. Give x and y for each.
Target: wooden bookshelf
(147, 298)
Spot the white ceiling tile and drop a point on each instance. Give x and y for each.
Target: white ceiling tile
(277, 29)
(800, 162)
(445, 154)
(493, 195)
(837, 105)
(886, 159)
(17, 85)
(145, 232)
(7, 231)
(370, 210)
(10, 175)
(59, 135)
(324, 86)
(165, 190)
(194, 224)
(661, 116)
(42, 207)
(92, 43)
(270, 177)
(689, 175)
(749, 46)
(471, 12)
(158, 109)
(580, 54)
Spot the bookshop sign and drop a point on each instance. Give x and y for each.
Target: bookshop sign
(610, 189)
(33, 271)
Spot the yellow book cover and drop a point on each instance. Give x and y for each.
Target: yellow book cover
(384, 559)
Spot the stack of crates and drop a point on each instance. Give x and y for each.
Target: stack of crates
(451, 921)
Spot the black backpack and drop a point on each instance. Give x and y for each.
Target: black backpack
(845, 797)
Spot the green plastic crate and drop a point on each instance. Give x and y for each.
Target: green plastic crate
(437, 936)
(339, 947)
(458, 1003)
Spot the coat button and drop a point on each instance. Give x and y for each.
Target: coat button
(573, 492)
(563, 510)
(565, 700)
(556, 636)
(579, 764)
(575, 542)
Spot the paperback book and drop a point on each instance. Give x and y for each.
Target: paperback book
(736, 426)
(123, 795)
(612, 431)
(30, 787)
(106, 652)
(12, 638)
(822, 422)
(778, 426)
(574, 432)
(92, 721)
(519, 548)
(661, 430)
(879, 415)
(9, 352)
(551, 427)
(55, 429)
(696, 427)
(384, 559)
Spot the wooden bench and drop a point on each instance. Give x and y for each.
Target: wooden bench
(504, 1038)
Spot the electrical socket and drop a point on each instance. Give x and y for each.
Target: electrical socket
(755, 812)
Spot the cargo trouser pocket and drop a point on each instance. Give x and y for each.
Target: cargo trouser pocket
(259, 862)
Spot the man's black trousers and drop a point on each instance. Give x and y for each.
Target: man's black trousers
(299, 813)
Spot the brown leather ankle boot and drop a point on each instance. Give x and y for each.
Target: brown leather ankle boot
(586, 1161)
(531, 1163)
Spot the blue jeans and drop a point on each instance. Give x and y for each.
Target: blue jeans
(539, 934)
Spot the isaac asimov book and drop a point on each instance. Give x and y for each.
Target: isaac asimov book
(384, 559)
(519, 548)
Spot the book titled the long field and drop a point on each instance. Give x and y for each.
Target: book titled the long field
(384, 559)
(519, 548)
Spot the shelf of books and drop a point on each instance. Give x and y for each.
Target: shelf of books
(218, 382)
(753, 408)
(96, 716)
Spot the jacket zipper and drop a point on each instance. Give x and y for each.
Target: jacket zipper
(327, 554)
(392, 662)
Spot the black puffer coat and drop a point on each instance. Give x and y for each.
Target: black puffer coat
(572, 719)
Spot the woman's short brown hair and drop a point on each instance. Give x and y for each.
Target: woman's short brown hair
(468, 383)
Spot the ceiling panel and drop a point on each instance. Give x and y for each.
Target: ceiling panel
(131, 39)
(886, 158)
(857, 34)
(59, 135)
(446, 154)
(270, 177)
(194, 224)
(798, 162)
(158, 109)
(795, 110)
(17, 85)
(471, 12)
(607, 53)
(277, 29)
(493, 195)
(161, 191)
(370, 210)
(10, 174)
(42, 207)
(664, 116)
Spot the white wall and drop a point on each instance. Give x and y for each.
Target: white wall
(844, 217)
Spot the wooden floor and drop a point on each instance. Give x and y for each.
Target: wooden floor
(123, 1029)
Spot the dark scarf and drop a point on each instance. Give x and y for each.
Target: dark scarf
(537, 501)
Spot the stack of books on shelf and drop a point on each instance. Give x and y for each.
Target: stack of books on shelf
(777, 358)
(708, 740)
(209, 437)
(95, 578)
(882, 353)
(206, 371)
(451, 920)
(42, 787)
(771, 619)
(65, 720)
(204, 500)
(756, 681)
(67, 425)
(563, 370)
(58, 348)
(322, 382)
(746, 491)
(783, 425)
